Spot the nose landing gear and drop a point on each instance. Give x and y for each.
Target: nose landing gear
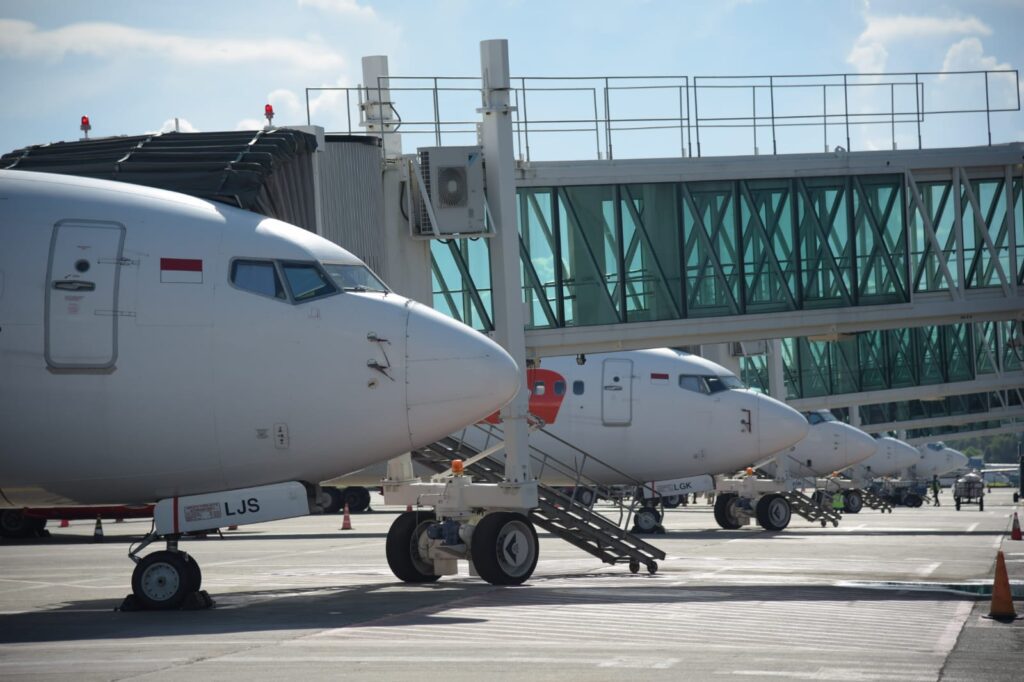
(165, 580)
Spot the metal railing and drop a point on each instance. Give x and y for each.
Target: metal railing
(693, 116)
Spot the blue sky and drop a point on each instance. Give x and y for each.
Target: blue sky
(133, 66)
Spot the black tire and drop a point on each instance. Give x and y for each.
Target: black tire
(14, 524)
(504, 548)
(956, 501)
(981, 504)
(774, 512)
(585, 497)
(402, 548)
(1016, 498)
(162, 580)
(724, 511)
(357, 498)
(671, 501)
(853, 502)
(646, 520)
(195, 575)
(912, 500)
(337, 500)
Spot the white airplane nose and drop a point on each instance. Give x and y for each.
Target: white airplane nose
(860, 446)
(779, 425)
(956, 460)
(454, 376)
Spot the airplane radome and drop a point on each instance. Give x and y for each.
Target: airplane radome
(154, 345)
(647, 415)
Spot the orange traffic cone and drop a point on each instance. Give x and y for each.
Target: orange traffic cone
(346, 520)
(1015, 533)
(64, 523)
(1002, 600)
(97, 533)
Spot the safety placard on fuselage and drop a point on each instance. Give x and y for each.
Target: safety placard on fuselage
(230, 507)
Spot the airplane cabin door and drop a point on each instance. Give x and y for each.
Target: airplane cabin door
(82, 287)
(617, 392)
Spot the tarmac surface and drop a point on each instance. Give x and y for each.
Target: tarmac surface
(868, 600)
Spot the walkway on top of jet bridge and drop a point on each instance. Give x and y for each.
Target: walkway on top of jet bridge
(670, 252)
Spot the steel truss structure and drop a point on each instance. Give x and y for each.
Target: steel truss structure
(866, 276)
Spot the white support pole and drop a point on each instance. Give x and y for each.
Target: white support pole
(855, 415)
(377, 114)
(496, 134)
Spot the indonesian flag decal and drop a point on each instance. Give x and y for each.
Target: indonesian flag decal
(659, 377)
(181, 270)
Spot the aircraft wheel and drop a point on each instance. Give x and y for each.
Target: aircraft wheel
(195, 576)
(671, 501)
(14, 524)
(646, 520)
(585, 496)
(773, 512)
(853, 502)
(337, 500)
(725, 511)
(406, 547)
(504, 548)
(163, 579)
(357, 497)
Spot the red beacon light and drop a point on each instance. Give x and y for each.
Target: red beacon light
(268, 111)
(85, 127)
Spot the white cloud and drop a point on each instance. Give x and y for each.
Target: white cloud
(869, 53)
(24, 40)
(287, 108)
(969, 55)
(183, 125)
(350, 8)
(250, 124)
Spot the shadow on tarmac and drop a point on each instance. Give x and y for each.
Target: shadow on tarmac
(385, 607)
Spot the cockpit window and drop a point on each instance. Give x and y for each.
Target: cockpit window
(936, 446)
(692, 382)
(306, 281)
(709, 384)
(354, 277)
(819, 417)
(259, 277)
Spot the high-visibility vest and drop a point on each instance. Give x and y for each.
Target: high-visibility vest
(837, 501)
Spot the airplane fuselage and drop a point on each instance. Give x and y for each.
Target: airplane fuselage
(154, 345)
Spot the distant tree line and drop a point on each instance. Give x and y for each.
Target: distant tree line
(998, 449)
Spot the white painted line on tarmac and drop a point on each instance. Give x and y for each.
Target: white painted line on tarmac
(947, 640)
(926, 571)
(971, 528)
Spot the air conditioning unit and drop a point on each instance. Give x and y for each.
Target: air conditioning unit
(451, 196)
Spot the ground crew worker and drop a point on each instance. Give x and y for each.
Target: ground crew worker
(837, 502)
(935, 491)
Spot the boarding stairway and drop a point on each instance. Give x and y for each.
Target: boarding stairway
(874, 501)
(558, 513)
(805, 507)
